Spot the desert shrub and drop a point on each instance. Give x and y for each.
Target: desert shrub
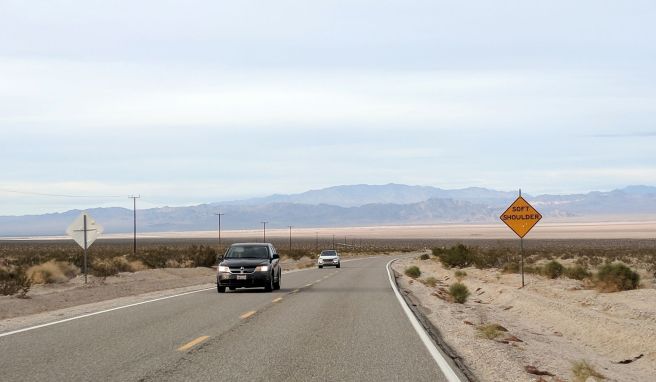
(424, 256)
(413, 271)
(202, 256)
(52, 272)
(104, 267)
(577, 272)
(553, 269)
(430, 281)
(582, 370)
(459, 292)
(511, 267)
(459, 256)
(535, 270)
(460, 274)
(297, 254)
(617, 277)
(14, 281)
(490, 331)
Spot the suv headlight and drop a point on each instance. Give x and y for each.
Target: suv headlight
(262, 268)
(320, 261)
(224, 269)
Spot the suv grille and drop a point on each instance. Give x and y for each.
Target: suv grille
(242, 270)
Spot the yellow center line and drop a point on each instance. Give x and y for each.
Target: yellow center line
(308, 285)
(247, 314)
(193, 343)
(277, 300)
(317, 281)
(295, 290)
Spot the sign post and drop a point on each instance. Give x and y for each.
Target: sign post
(84, 231)
(521, 217)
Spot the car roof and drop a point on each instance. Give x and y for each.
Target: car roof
(253, 244)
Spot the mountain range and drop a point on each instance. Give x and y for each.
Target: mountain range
(350, 205)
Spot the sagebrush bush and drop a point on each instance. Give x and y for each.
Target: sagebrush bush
(553, 269)
(617, 277)
(459, 292)
(577, 272)
(297, 254)
(424, 256)
(459, 256)
(413, 271)
(104, 267)
(460, 274)
(14, 281)
(430, 281)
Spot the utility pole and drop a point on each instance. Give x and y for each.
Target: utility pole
(290, 239)
(316, 242)
(219, 215)
(333, 241)
(264, 226)
(134, 215)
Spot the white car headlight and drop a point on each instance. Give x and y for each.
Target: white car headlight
(224, 269)
(261, 268)
(320, 261)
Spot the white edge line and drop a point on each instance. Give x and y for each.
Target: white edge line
(130, 305)
(99, 312)
(448, 372)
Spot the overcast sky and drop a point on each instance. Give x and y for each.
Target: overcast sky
(187, 102)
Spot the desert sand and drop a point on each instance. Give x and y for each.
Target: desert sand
(557, 321)
(545, 229)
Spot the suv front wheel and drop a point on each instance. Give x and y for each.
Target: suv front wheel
(276, 284)
(269, 286)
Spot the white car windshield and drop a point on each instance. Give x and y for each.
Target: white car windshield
(328, 253)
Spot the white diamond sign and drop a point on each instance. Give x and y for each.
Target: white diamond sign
(84, 223)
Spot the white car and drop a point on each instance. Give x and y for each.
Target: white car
(328, 257)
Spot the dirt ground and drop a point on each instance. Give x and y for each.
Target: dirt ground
(550, 323)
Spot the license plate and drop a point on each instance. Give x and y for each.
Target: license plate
(241, 277)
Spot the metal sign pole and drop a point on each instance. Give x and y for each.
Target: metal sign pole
(521, 249)
(85, 248)
(521, 246)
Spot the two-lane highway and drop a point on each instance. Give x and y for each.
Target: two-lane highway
(324, 324)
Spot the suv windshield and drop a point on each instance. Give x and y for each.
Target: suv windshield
(329, 253)
(248, 252)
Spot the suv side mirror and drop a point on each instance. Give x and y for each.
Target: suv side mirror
(275, 256)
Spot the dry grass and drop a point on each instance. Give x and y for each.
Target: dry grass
(429, 281)
(52, 272)
(490, 331)
(582, 370)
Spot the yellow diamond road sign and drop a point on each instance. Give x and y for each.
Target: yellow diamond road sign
(521, 217)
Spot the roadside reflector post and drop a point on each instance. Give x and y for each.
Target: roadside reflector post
(521, 217)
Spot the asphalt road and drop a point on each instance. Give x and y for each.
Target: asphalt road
(323, 325)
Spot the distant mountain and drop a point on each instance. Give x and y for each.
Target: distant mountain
(357, 205)
(361, 194)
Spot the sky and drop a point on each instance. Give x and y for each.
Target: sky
(186, 102)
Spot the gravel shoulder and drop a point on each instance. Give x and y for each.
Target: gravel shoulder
(550, 323)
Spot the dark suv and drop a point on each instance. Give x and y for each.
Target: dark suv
(249, 265)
